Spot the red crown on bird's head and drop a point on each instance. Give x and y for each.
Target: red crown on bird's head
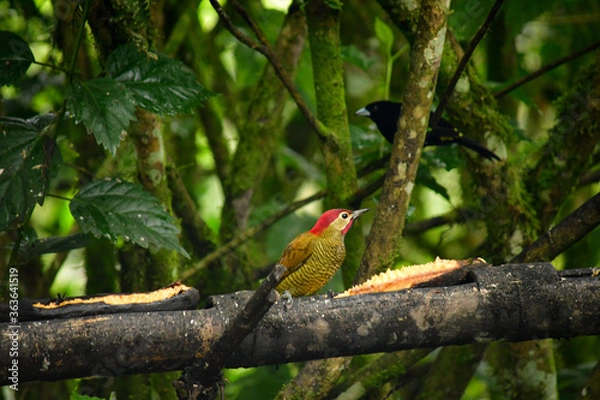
(330, 216)
(327, 218)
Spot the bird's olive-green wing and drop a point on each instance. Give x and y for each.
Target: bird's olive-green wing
(298, 252)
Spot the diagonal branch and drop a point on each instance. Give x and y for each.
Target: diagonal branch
(386, 232)
(568, 232)
(435, 118)
(546, 68)
(264, 48)
(204, 374)
(248, 234)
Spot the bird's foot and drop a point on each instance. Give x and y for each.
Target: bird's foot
(286, 299)
(330, 294)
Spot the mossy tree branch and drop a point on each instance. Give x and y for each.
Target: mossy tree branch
(537, 300)
(386, 233)
(328, 74)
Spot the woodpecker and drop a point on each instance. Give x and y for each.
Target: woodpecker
(313, 257)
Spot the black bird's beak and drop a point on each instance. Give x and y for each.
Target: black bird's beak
(363, 112)
(357, 213)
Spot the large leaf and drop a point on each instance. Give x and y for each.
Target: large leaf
(27, 160)
(357, 57)
(385, 35)
(105, 106)
(15, 58)
(112, 208)
(161, 85)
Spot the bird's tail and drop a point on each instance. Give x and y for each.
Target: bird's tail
(479, 148)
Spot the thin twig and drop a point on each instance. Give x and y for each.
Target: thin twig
(546, 68)
(86, 9)
(374, 166)
(366, 191)
(437, 115)
(248, 234)
(452, 217)
(262, 38)
(589, 177)
(266, 50)
(53, 66)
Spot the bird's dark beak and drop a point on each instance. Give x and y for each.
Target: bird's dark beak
(357, 213)
(363, 112)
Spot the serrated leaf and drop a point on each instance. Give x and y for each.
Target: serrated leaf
(105, 106)
(15, 58)
(385, 35)
(111, 208)
(27, 161)
(355, 56)
(161, 86)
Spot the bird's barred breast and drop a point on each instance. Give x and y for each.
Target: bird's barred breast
(317, 271)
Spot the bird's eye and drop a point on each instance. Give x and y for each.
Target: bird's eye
(344, 215)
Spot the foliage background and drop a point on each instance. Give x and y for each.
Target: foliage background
(247, 153)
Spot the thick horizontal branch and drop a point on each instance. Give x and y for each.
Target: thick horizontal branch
(204, 374)
(513, 302)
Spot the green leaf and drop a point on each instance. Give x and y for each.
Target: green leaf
(425, 178)
(445, 157)
(27, 161)
(15, 58)
(77, 396)
(334, 4)
(355, 56)
(298, 162)
(112, 208)
(161, 86)
(363, 139)
(385, 35)
(105, 106)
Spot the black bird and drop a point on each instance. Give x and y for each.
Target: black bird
(385, 114)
